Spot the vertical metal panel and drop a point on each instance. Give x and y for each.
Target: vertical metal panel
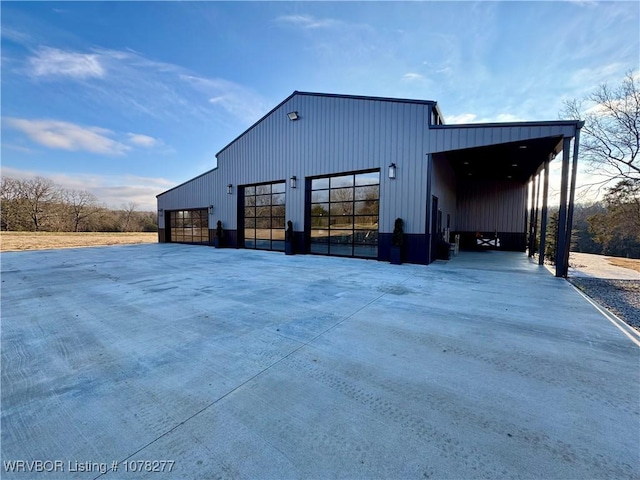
(490, 205)
(342, 134)
(443, 186)
(455, 138)
(334, 135)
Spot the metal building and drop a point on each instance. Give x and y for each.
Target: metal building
(342, 168)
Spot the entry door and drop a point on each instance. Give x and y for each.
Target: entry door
(434, 229)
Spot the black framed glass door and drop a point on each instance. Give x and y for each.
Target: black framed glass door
(344, 212)
(264, 216)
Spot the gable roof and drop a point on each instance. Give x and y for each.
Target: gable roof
(327, 95)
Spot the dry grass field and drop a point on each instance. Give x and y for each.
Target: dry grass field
(18, 241)
(631, 263)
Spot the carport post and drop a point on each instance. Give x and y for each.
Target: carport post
(572, 195)
(535, 220)
(531, 214)
(543, 219)
(561, 234)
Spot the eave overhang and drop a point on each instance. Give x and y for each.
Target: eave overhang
(510, 151)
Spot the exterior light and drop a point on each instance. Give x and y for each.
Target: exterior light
(522, 147)
(161, 212)
(465, 163)
(210, 209)
(293, 182)
(392, 171)
(514, 164)
(293, 116)
(230, 189)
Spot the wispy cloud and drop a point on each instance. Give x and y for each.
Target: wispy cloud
(239, 101)
(60, 135)
(461, 118)
(143, 140)
(473, 118)
(17, 148)
(52, 62)
(307, 21)
(413, 77)
(586, 80)
(14, 35)
(68, 136)
(128, 81)
(584, 3)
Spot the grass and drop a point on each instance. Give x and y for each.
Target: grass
(631, 263)
(19, 241)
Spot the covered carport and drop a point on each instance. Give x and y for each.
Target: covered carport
(497, 174)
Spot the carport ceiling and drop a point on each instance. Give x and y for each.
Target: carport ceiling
(514, 161)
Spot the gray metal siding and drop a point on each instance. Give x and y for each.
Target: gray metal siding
(444, 187)
(197, 193)
(443, 139)
(491, 205)
(335, 135)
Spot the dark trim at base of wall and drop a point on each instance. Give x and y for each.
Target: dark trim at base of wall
(230, 238)
(509, 241)
(415, 248)
(415, 245)
(299, 245)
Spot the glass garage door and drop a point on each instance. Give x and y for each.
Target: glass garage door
(344, 215)
(189, 226)
(264, 216)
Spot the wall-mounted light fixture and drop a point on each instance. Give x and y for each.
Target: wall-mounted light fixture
(229, 189)
(161, 212)
(293, 182)
(392, 171)
(210, 209)
(293, 116)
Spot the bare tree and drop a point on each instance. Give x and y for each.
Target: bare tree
(13, 204)
(610, 139)
(127, 213)
(81, 205)
(39, 194)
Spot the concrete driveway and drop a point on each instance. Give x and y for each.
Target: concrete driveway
(201, 363)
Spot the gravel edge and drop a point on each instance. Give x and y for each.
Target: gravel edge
(621, 297)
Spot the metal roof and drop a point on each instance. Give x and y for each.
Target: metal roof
(500, 150)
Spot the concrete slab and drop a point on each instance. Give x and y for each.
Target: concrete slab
(248, 364)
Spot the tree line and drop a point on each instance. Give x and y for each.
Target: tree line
(609, 227)
(40, 205)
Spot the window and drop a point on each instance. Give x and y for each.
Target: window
(264, 216)
(189, 226)
(344, 215)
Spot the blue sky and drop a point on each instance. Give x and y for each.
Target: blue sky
(127, 99)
